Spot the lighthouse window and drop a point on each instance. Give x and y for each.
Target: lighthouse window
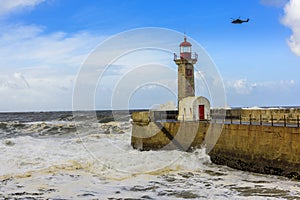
(189, 72)
(185, 49)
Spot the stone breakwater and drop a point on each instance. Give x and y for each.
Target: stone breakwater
(290, 116)
(257, 147)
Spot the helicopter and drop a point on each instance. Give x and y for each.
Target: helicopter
(239, 21)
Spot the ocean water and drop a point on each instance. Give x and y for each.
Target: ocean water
(44, 157)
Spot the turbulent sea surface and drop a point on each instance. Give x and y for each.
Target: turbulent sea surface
(44, 157)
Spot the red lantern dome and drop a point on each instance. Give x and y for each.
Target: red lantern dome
(185, 43)
(185, 49)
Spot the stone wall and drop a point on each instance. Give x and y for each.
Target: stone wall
(184, 136)
(266, 115)
(141, 117)
(262, 149)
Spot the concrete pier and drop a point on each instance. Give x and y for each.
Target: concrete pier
(259, 146)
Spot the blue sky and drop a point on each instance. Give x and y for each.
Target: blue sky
(43, 44)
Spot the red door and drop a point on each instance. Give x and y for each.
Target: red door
(201, 112)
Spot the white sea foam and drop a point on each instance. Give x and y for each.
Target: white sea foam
(99, 165)
(252, 108)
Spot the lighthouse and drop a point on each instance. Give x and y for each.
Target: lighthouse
(185, 62)
(190, 107)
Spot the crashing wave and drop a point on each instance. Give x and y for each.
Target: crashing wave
(57, 128)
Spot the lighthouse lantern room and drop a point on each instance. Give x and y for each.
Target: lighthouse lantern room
(185, 49)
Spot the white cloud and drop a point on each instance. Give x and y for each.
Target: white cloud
(20, 77)
(25, 91)
(241, 86)
(37, 69)
(27, 46)
(8, 6)
(43, 94)
(243, 92)
(291, 19)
